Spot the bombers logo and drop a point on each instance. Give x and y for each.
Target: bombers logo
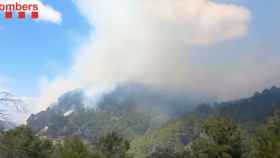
(19, 10)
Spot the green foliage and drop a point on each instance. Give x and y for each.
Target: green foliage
(267, 141)
(220, 138)
(113, 146)
(172, 136)
(165, 153)
(71, 147)
(214, 138)
(22, 143)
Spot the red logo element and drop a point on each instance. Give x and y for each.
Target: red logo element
(20, 9)
(21, 15)
(8, 15)
(34, 15)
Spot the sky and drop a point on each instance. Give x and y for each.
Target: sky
(223, 49)
(32, 49)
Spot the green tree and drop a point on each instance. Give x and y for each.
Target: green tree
(113, 146)
(219, 138)
(72, 147)
(22, 143)
(267, 141)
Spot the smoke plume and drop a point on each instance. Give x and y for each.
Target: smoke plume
(149, 42)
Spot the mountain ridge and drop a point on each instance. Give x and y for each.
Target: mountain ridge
(130, 109)
(13, 109)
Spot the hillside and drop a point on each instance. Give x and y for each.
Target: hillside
(130, 110)
(150, 120)
(254, 109)
(250, 113)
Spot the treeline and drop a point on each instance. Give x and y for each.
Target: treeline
(218, 138)
(23, 143)
(222, 138)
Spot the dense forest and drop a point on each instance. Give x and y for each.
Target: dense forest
(245, 128)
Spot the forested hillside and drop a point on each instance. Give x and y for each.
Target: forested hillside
(129, 110)
(255, 109)
(245, 128)
(216, 137)
(249, 113)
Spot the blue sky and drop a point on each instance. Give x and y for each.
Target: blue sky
(31, 49)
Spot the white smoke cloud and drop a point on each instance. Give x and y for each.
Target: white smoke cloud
(147, 41)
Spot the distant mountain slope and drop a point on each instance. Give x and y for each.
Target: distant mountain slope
(249, 112)
(130, 110)
(6, 125)
(54, 121)
(13, 108)
(159, 106)
(253, 109)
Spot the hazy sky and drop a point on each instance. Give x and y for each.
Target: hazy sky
(223, 48)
